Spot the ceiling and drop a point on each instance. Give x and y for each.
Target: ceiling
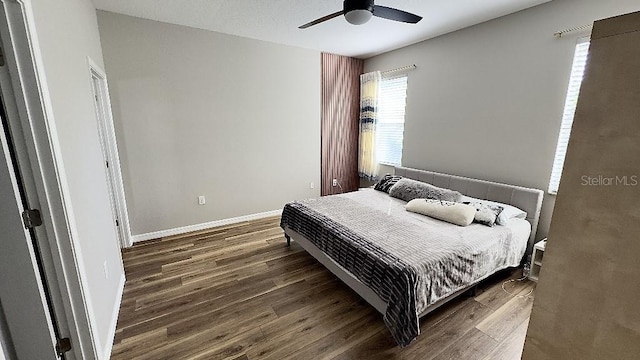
(278, 20)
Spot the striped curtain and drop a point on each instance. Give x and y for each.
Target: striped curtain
(367, 164)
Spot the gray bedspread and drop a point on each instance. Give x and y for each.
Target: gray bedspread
(410, 261)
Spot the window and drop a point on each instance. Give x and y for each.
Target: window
(577, 72)
(390, 129)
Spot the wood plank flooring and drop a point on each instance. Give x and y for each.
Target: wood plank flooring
(238, 292)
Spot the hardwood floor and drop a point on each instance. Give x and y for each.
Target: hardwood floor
(238, 292)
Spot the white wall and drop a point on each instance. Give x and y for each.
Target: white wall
(205, 113)
(487, 101)
(68, 33)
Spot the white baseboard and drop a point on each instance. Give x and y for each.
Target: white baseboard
(203, 226)
(114, 320)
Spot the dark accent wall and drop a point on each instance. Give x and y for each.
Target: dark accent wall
(339, 129)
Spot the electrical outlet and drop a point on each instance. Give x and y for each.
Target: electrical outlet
(201, 200)
(334, 182)
(105, 267)
(312, 185)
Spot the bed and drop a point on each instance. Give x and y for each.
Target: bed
(405, 264)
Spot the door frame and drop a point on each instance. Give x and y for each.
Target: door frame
(50, 190)
(107, 134)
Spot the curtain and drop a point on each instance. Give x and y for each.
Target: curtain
(367, 164)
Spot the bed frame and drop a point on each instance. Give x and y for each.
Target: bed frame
(529, 200)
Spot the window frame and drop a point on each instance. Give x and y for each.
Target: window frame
(380, 121)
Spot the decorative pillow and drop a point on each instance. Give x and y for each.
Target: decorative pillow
(449, 211)
(509, 212)
(408, 189)
(486, 214)
(387, 182)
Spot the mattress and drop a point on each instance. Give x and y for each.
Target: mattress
(409, 260)
(378, 200)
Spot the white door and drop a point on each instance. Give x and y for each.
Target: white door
(23, 292)
(32, 304)
(104, 145)
(41, 289)
(109, 148)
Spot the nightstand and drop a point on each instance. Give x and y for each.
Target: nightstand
(536, 259)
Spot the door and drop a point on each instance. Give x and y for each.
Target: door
(24, 292)
(42, 293)
(6, 347)
(109, 148)
(29, 291)
(100, 107)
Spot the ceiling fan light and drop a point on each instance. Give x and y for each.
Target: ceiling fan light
(358, 17)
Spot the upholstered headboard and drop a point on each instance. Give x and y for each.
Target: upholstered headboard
(529, 200)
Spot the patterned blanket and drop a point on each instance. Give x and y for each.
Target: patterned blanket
(408, 264)
(390, 278)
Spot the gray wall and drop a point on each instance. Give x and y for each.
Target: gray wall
(68, 33)
(204, 113)
(487, 101)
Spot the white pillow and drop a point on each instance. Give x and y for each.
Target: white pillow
(449, 211)
(509, 212)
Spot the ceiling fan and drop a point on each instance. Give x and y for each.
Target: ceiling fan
(358, 12)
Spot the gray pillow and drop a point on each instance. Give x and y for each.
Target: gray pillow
(508, 212)
(408, 189)
(486, 214)
(387, 182)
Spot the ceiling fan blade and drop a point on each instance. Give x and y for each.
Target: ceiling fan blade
(322, 19)
(395, 14)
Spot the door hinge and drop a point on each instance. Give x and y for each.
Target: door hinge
(31, 218)
(62, 346)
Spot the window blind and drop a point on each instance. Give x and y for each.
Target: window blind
(575, 81)
(390, 128)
